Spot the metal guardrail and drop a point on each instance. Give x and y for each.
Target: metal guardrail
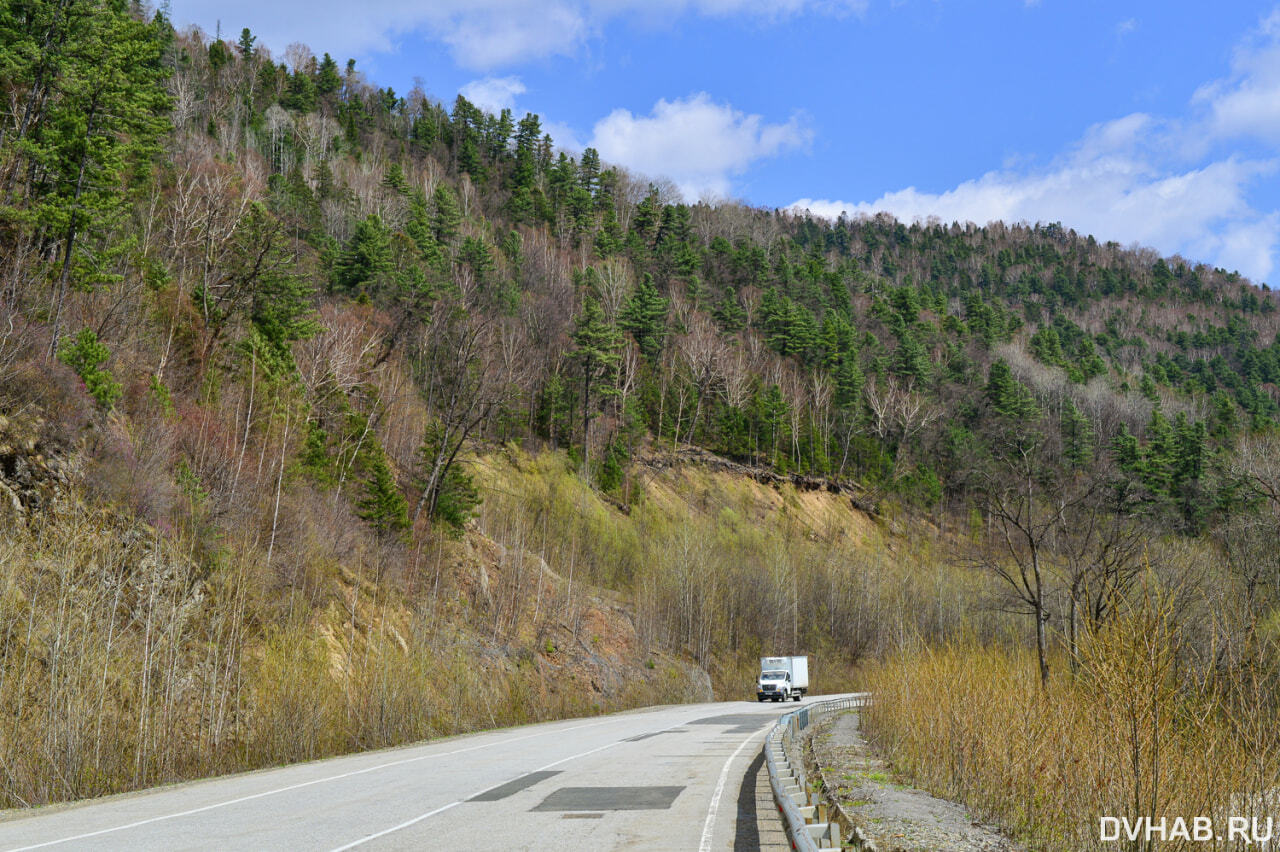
(804, 813)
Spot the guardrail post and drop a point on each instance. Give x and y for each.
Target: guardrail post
(805, 814)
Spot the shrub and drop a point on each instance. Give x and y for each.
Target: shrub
(85, 354)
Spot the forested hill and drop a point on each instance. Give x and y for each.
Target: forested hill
(181, 215)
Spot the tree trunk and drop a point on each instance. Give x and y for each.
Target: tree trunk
(586, 422)
(1071, 631)
(1040, 620)
(65, 276)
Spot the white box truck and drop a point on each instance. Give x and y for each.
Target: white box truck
(782, 678)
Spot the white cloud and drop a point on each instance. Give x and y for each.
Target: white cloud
(1250, 246)
(562, 135)
(1126, 26)
(493, 94)
(1202, 213)
(1140, 178)
(697, 143)
(482, 34)
(494, 33)
(1247, 103)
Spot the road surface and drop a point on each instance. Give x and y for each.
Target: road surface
(672, 778)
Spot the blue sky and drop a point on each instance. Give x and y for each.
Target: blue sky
(1149, 122)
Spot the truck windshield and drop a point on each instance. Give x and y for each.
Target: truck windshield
(773, 675)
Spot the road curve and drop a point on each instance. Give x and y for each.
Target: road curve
(660, 779)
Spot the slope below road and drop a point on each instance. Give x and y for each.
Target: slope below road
(670, 778)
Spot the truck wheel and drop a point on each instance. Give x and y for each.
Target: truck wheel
(796, 697)
(760, 699)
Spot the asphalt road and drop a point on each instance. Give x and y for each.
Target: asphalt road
(674, 778)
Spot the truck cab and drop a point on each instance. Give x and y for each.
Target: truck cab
(782, 678)
(775, 686)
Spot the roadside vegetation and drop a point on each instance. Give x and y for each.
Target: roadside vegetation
(1142, 725)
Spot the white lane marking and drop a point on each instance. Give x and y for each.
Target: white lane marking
(353, 844)
(363, 840)
(709, 826)
(299, 786)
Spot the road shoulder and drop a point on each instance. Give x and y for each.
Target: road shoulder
(892, 814)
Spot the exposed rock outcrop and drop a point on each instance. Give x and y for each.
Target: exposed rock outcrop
(34, 468)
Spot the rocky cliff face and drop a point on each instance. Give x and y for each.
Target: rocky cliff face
(34, 468)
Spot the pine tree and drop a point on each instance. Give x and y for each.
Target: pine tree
(382, 504)
(596, 344)
(609, 238)
(324, 181)
(644, 224)
(93, 114)
(86, 355)
(729, 312)
(1159, 456)
(911, 360)
(420, 229)
(245, 44)
(520, 206)
(497, 134)
(849, 381)
(1077, 437)
(1147, 387)
(313, 455)
(645, 317)
(589, 171)
(301, 94)
(366, 259)
(394, 179)
(281, 312)
(1007, 396)
(447, 217)
(772, 411)
(327, 79)
(525, 172)
(1125, 449)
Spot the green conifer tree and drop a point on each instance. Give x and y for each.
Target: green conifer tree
(366, 259)
(595, 352)
(1007, 396)
(645, 317)
(447, 216)
(92, 113)
(328, 81)
(382, 504)
(1077, 437)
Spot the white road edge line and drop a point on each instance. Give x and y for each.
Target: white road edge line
(708, 828)
(291, 787)
(353, 844)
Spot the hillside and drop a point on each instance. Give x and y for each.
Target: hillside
(312, 395)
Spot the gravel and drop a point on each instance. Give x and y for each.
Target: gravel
(893, 815)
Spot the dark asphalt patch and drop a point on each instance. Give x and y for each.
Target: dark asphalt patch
(640, 737)
(742, 723)
(512, 787)
(582, 816)
(610, 799)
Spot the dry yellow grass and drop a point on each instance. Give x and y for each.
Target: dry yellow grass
(1129, 736)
